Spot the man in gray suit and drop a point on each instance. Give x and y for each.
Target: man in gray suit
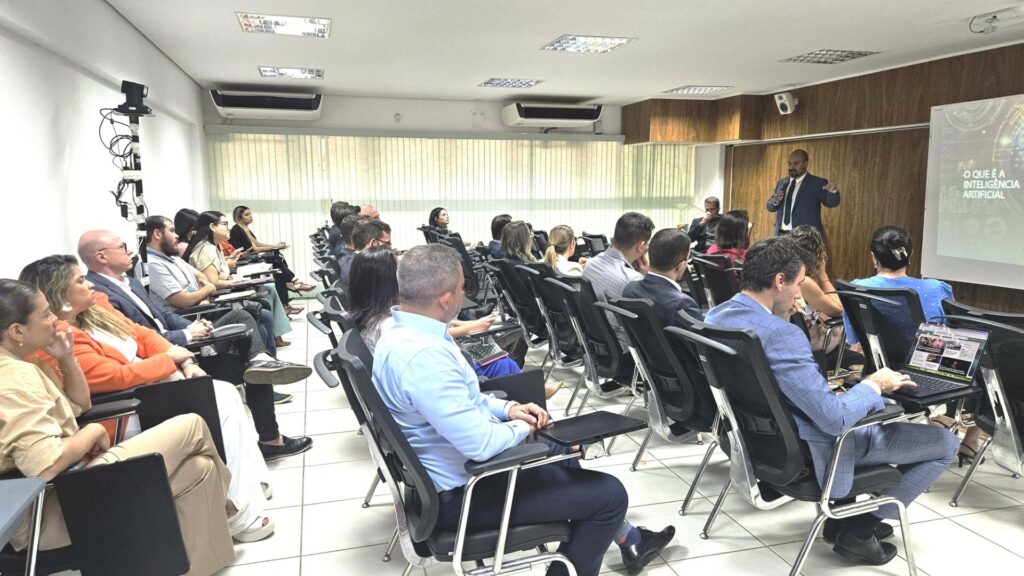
(770, 289)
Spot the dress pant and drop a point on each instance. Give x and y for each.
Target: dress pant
(593, 501)
(199, 483)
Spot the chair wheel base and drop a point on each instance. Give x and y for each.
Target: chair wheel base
(682, 512)
(386, 558)
(632, 468)
(366, 505)
(1016, 476)
(703, 535)
(954, 503)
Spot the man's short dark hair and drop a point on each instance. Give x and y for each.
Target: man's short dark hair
(632, 227)
(367, 230)
(669, 247)
(346, 226)
(498, 224)
(778, 254)
(154, 223)
(339, 210)
(714, 200)
(802, 153)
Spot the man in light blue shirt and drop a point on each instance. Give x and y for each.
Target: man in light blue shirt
(434, 395)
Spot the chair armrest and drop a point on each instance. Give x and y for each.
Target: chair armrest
(312, 318)
(890, 413)
(511, 458)
(108, 410)
(107, 397)
(321, 364)
(202, 309)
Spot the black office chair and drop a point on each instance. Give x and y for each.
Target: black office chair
(718, 275)
(603, 359)
(765, 443)
(680, 405)
(520, 301)
(563, 346)
(884, 320)
(473, 272)
(1001, 413)
(416, 498)
(695, 288)
(596, 243)
(322, 319)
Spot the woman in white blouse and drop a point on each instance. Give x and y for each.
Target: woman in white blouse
(561, 247)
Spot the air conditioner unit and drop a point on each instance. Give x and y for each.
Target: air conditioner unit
(266, 105)
(550, 115)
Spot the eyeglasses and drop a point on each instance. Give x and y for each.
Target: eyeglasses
(123, 246)
(222, 223)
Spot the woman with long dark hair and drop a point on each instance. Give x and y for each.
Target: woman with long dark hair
(517, 242)
(243, 238)
(204, 254)
(39, 435)
(733, 236)
(185, 227)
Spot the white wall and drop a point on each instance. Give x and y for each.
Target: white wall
(378, 115)
(709, 175)
(63, 60)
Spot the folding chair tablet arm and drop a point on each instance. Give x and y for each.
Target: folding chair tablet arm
(323, 365)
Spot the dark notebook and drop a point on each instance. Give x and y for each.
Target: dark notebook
(590, 428)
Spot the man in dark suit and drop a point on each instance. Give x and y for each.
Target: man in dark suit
(668, 252)
(798, 198)
(109, 258)
(702, 230)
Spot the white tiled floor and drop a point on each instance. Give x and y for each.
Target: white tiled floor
(323, 530)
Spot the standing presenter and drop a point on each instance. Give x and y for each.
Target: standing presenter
(798, 198)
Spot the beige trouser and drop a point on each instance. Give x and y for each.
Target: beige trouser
(199, 482)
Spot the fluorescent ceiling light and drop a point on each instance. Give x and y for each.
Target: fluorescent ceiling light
(828, 56)
(286, 25)
(292, 73)
(692, 89)
(589, 44)
(510, 83)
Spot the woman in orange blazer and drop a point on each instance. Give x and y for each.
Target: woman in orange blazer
(117, 354)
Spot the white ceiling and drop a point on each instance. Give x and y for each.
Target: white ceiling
(442, 49)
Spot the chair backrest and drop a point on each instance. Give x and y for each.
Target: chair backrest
(552, 307)
(161, 402)
(327, 361)
(520, 297)
(884, 320)
(735, 364)
(122, 519)
(469, 272)
(540, 243)
(596, 243)
(599, 340)
(952, 307)
(718, 275)
(695, 287)
(428, 234)
(420, 500)
(683, 400)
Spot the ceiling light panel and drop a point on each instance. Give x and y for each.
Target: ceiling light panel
(697, 90)
(292, 73)
(510, 83)
(285, 25)
(828, 56)
(587, 44)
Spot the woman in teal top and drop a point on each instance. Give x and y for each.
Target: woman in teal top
(891, 247)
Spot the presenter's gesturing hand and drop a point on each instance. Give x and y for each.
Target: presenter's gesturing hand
(830, 187)
(778, 196)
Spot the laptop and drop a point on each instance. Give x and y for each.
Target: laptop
(943, 359)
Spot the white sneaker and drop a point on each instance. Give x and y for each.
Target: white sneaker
(262, 527)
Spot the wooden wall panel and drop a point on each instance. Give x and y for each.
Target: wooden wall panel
(728, 119)
(882, 179)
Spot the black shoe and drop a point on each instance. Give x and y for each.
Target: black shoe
(291, 447)
(832, 527)
(637, 556)
(282, 398)
(275, 372)
(609, 386)
(869, 551)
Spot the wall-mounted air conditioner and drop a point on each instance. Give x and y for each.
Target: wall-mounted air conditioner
(550, 115)
(266, 105)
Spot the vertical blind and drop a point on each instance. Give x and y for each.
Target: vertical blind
(289, 181)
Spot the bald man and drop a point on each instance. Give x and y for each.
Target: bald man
(369, 211)
(798, 198)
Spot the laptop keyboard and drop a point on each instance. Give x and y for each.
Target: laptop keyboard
(929, 385)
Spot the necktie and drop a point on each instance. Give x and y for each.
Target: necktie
(787, 211)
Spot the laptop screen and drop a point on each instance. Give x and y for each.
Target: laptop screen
(951, 352)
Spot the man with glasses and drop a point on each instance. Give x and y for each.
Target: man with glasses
(667, 254)
(366, 233)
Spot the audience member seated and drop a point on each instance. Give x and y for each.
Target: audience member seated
(185, 223)
(770, 290)
(370, 211)
(434, 396)
(107, 258)
(626, 261)
(370, 233)
(669, 251)
(732, 236)
(116, 354)
(39, 435)
(233, 255)
(347, 250)
(204, 254)
(823, 303)
(498, 224)
(561, 247)
(375, 293)
(703, 230)
(438, 221)
(517, 242)
(336, 241)
(891, 248)
(243, 238)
